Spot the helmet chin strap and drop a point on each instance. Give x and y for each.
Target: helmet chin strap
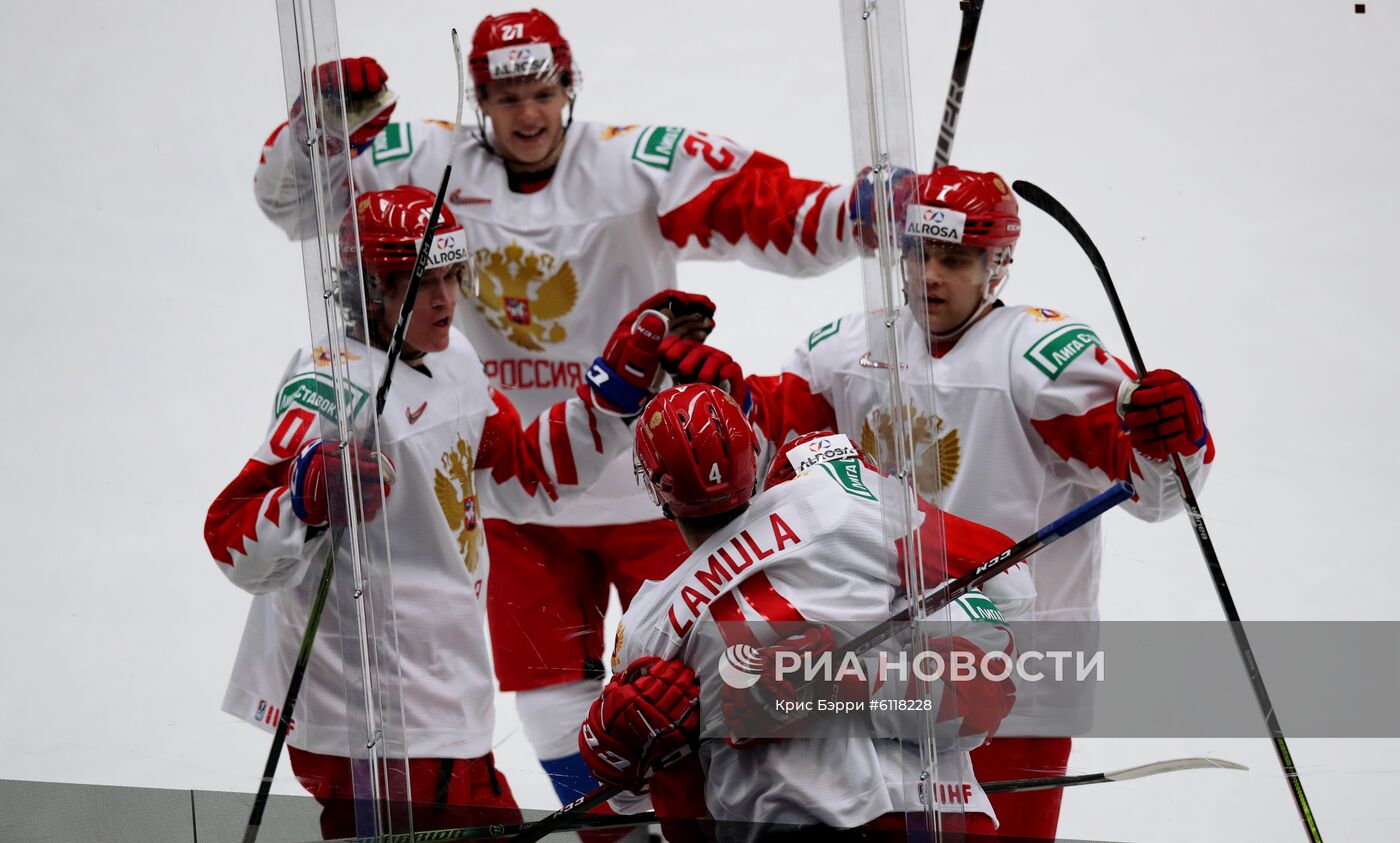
(486, 143)
(991, 288)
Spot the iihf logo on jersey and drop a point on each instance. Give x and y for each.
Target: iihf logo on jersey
(740, 666)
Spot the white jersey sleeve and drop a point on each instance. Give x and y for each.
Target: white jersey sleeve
(719, 200)
(1064, 384)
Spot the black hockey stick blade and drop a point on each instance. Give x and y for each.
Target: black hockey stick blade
(1050, 205)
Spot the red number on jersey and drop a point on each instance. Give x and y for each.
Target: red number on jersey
(695, 144)
(290, 431)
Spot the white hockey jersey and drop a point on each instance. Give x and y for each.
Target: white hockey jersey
(1014, 426)
(459, 452)
(560, 266)
(812, 549)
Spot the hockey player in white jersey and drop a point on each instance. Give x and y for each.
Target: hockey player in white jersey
(572, 223)
(452, 447)
(1027, 416)
(807, 552)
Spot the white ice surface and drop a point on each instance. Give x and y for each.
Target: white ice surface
(1234, 160)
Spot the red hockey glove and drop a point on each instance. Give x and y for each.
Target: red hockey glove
(368, 103)
(647, 717)
(314, 480)
(691, 362)
(621, 381)
(760, 708)
(362, 77)
(1162, 414)
(688, 315)
(980, 701)
(901, 185)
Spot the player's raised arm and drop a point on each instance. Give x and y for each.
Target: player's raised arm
(566, 449)
(284, 163)
(718, 200)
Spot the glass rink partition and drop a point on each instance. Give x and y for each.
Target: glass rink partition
(1195, 169)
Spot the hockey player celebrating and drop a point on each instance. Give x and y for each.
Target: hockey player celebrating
(571, 222)
(1026, 415)
(808, 552)
(451, 446)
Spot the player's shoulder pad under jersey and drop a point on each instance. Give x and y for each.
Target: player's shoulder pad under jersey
(1050, 340)
(978, 607)
(310, 385)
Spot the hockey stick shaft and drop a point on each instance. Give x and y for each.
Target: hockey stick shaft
(1047, 203)
(506, 830)
(411, 295)
(936, 600)
(952, 106)
(591, 821)
(949, 591)
(313, 620)
(279, 736)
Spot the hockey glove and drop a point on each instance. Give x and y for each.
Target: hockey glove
(368, 103)
(981, 701)
(691, 362)
(900, 186)
(317, 491)
(647, 717)
(621, 381)
(688, 315)
(776, 704)
(1162, 415)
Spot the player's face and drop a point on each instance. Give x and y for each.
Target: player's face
(953, 278)
(528, 119)
(430, 327)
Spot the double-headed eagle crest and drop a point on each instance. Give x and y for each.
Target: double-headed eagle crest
(935, 456)
(458, 501)
(523, 296)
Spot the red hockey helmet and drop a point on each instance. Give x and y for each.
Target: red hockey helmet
(517, 45)
(392, 223)
(812, 449)
(695, 452)
(990, 216)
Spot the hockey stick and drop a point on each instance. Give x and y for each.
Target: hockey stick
(506, 830)
(1047, 203)
(590, 821)
(952, 107)
(949, 590)
(1126, 774)
(936, 599)
(318, 604)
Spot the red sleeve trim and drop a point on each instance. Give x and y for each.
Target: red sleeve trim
(1095, 438)
(560, 446)
(812, 224)
(760, 202)
(510, 452)
(232, 521)
(785, 404)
